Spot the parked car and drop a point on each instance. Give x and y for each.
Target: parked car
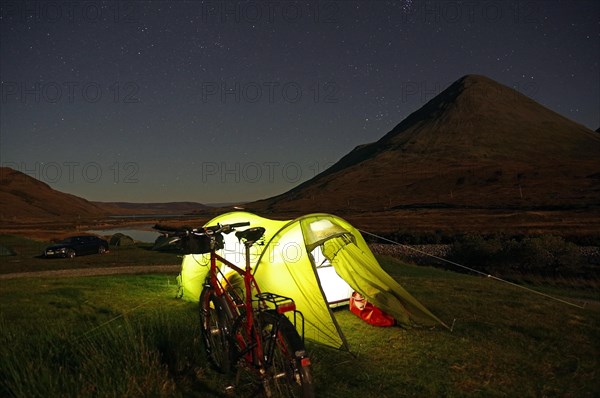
(77, 246)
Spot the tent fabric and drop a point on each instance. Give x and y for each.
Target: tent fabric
(371, 281)
(286, 265)
(6, 251)
(120, 239)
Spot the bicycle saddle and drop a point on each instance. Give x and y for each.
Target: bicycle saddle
(251, 234)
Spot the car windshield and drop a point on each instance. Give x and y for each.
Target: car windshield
(69, 240)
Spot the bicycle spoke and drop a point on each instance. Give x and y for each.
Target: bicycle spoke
(286, 374)
(215, 324)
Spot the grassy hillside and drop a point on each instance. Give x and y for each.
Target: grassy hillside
(128, 336)
(24, 198)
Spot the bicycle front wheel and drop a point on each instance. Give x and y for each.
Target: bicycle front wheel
(288, 367)
(215, 321)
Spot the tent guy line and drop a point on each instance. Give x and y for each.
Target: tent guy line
(475, 271)
(121, 315)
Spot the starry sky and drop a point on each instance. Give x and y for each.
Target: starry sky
(225, 101)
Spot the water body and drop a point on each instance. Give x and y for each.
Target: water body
(152, 216)
(140, 235)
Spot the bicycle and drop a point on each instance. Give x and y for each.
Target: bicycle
(244, 328)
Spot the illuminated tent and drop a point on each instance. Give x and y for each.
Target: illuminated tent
(317, 260)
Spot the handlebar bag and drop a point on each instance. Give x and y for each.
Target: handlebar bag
(200, 244)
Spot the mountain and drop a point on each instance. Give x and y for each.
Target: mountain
(478, 144)
(127, 208)
(24, 199)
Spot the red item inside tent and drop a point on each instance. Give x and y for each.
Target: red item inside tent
(368, 312)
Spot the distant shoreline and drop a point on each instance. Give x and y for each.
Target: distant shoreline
(411, 221)
(140, 216)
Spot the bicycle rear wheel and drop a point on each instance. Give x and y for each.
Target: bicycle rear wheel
(288, 367)
(215, 322)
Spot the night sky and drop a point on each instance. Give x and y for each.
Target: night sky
(224, 101)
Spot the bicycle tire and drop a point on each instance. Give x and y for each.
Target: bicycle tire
(289, 374)
(215, 324)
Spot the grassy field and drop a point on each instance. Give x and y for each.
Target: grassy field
(129, 336)
(28, 257)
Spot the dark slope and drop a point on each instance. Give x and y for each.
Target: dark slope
(24, 198)
(476, 144)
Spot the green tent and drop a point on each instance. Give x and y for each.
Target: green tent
(306, 259)
(120, 239)
(6, 251)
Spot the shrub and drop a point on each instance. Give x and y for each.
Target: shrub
(415, 237)
(544, 255)
(548, 255)
(476, 251)
(585, 240)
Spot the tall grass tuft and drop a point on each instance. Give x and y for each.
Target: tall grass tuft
(70, 338)
(120, 359)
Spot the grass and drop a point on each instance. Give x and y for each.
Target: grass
(28, 257)
(128, 336)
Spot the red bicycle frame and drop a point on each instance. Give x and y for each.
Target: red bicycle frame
(250, 285)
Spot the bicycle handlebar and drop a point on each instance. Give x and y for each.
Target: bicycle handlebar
(214, 229)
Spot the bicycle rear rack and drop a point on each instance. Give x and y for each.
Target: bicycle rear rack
(282, 305)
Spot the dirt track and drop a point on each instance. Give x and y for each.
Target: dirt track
(137, 269)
